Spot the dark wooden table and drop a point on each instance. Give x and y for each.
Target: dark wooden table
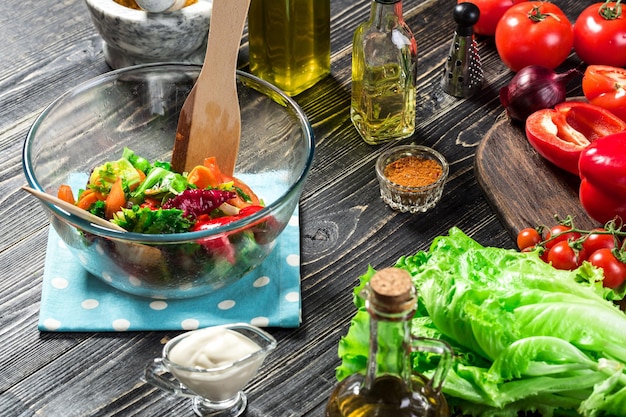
(49, 46)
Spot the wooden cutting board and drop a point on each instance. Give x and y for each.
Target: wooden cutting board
(524, 189)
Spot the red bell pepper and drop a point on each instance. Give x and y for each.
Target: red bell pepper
(603, 178)
(561, 134)
(220, 243)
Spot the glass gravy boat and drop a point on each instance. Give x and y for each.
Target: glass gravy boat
(212, 366)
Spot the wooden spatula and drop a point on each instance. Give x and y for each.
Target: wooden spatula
(210, 122)
(72, 209)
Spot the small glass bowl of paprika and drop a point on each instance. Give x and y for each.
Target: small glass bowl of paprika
(411, 177)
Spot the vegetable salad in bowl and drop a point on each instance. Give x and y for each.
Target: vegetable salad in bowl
(149, 198)
(144, 197)
(105, 146)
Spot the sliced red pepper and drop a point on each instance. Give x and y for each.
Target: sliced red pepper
(561, 134)
(220, 243)
(603, 173)
(248, 210)
(151, 203)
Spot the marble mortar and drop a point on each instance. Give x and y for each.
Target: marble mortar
(132, 37)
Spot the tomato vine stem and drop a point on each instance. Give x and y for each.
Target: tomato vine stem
(535, 15)
(610, 13)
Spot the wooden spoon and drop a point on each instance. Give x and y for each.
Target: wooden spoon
(70, 208)
(210, 122)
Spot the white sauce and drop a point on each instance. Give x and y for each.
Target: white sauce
(215, 353)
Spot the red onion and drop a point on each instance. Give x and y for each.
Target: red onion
(534, 88)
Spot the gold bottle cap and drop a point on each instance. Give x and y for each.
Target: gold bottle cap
(392, 290)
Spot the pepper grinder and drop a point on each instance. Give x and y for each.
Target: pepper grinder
(463, 73)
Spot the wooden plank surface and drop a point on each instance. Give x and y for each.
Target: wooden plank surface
(524, 188)
(50, 46)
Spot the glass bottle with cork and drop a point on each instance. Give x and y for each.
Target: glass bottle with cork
(389, 388)
(384, 74)
(289, 42)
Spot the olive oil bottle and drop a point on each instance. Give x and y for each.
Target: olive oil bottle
(289, 42)
(389, 388)
(384, 72)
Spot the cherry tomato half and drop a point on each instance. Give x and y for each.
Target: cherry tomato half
(600, 34)
(534, 33)
(614, 270)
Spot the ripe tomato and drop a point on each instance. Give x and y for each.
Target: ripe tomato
(490, 13)
(614, 270)
(600, 34)
(534, 33)
(528, 238)
(557, 230)
(595, 241)
(563, 256)
(605, 86)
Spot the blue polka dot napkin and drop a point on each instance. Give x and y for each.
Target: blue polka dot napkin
(73, 300)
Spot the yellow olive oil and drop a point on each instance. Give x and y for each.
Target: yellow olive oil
(289, 42)
(384, 74)
(389, 387)
(382, 107)
(389, 396)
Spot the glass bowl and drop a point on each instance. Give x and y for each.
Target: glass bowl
(138, 107)
(421, 184)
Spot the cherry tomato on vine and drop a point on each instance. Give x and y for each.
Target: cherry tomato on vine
(595, 241)
(614, 270)
(534, 33)
(528, 238)
(563, 256)
(555, 230)
(490, 13)
(600, 34)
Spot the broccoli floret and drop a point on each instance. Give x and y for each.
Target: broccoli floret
(97, 209)
(146, 220)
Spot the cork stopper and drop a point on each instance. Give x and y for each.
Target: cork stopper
(392, 291)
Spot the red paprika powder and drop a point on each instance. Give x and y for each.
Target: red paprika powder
(413, 171)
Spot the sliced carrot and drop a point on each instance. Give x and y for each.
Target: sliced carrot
(244, 187)
(115, 200)
(87, 198)
(65, 193)
(240, 202)
(142, 176)
(203, 177)
(211, 163)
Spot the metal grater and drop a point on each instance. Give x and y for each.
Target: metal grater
(463, 73)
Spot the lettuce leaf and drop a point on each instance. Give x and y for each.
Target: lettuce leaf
(527, 337)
